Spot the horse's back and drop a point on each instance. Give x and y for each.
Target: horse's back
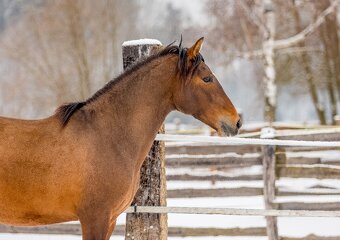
(33, 185)
(19, 138)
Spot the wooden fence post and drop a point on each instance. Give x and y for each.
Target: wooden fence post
(152, 189)
(268, 163)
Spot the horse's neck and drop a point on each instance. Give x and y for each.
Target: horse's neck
(135, 108)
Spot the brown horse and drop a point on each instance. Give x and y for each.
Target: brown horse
(84, 161)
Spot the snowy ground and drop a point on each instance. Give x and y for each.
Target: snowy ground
(67, 237)
(293, 227)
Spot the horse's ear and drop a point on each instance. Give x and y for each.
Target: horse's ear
(195, 49)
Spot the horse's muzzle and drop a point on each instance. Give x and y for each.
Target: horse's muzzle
(227, 130)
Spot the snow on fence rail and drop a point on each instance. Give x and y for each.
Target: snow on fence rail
(245, 141)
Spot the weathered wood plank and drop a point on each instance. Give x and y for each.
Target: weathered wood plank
(226, 164)
(218, 192)
(305, 193)
(315, 172)
(213, 161)
(75, 229)
(71, 229)
(299, 160)
(306, 149)
(332, 162)
(325, 206)
(212, 178)
(239, 192)
(233, 162)
(200, 232)
(269, 189)
(211, 149)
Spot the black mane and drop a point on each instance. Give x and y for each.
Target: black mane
(66, 111)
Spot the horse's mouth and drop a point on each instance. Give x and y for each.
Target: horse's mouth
(226, 130)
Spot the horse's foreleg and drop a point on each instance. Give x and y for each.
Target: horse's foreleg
(111, 228)
(96, 228)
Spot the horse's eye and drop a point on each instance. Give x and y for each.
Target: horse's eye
(207, 79)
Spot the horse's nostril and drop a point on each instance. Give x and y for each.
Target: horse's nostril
(239, 124)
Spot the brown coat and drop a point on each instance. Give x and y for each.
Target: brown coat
(84, 161)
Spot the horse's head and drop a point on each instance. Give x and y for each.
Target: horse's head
(200, 94)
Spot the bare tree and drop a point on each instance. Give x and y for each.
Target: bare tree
(268, 61)
(330, 40)
(67, 49)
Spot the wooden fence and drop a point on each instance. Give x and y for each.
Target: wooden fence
(276, 163)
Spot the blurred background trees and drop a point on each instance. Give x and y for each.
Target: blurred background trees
(62, 51)
(248, 28)
(54, 52)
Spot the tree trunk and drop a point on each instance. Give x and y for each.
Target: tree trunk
(152, 189)
(305, 62)
(329, 72)
(333, 39)
(330, 40)
(269, 67)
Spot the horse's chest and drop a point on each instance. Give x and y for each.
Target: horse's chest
(132, 189)
(121, 195)
(115, 183)
(120, 186)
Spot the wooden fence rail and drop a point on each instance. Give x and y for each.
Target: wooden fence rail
(74, 229)
(243, 192)
(212, 177)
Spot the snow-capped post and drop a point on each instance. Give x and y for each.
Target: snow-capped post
(269, 162)
(269, 67)
(152, 189)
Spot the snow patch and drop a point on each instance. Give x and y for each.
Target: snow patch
(143, 41)
(267, 132)
(253, 170)
(174, 185)
(244, 141)
(220, 155)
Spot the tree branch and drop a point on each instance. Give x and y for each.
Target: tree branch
(252, 16)
(289, 50)
(283, 43)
